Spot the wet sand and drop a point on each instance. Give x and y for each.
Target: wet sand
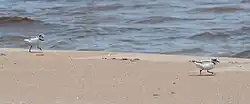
(89, 77)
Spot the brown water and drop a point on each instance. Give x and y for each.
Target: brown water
(191, 27)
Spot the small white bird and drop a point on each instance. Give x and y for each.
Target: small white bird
(206, 65)
(35, 41)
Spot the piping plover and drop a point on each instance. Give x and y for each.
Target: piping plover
(206, 65)
(35, 41)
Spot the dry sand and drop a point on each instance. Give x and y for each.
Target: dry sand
(68, 77)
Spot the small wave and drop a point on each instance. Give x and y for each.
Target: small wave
(244, 39)
(146, 6)
(245, 1)
(222, 54)
(244, 30)
(176, 37)
(101, 31)
(90, 49)
(126, 40)
(39, 0)
(210, 36)
(134, 42)
(16, 19)
(219, 9)
(63, 44)
(95, 20)
(243, 54)
(115, 29)
(100, 8)
(171, 38)
(161, 19)
(212, 2)
(194, 51)
(12, 40)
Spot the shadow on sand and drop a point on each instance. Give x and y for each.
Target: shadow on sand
(203, 75)
(35, 52)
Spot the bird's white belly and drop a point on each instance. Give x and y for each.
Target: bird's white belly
(206, 66)
(33, 41)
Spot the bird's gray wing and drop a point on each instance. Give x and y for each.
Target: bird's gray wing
(201, 62)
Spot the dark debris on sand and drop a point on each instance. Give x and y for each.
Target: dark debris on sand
(156, 95)
(172, 92)
(3, 54)
(123, 59)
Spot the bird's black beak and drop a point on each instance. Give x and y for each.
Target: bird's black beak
(218, 61)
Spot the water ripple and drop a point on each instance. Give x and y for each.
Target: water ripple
(208, 36)
(162, 19)
(196, 27)
(218, 9)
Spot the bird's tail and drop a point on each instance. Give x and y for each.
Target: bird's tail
(26, 40)
(196, 62)
(193, 61)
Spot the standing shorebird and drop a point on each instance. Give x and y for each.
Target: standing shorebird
(206, 65)
(35, 41)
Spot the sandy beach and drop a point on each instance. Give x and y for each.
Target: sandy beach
(89, 77)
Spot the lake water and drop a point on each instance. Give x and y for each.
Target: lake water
(188, 27)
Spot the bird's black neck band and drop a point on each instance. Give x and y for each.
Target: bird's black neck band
(213, 62)
(41, 39)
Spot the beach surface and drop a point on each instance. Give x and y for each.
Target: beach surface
(95, 77)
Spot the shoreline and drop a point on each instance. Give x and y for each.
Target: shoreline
(75, 51)
(99, 77)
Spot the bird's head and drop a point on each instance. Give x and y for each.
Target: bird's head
(215, 60)
(41, 36)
